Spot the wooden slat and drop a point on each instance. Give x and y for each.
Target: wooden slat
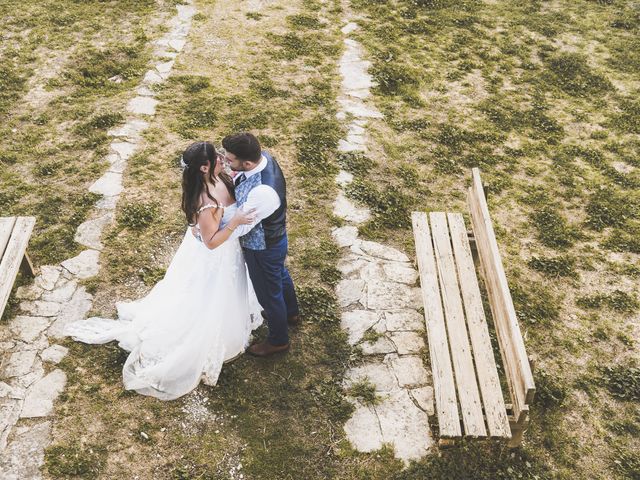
(514, 355)
(12, 257)
(468, 394)
(494, 407)
(443, 383)
(6, 227)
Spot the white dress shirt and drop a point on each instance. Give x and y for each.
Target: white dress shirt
(263, 199)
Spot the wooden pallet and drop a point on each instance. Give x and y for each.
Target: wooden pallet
(14, 237)
(468, 395)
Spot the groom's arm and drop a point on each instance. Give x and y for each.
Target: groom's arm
(264, 200)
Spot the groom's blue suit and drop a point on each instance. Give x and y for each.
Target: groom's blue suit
(265, 249)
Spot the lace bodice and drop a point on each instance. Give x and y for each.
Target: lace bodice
(229, 212)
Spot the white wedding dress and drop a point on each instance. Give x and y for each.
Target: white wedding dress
(198, 316)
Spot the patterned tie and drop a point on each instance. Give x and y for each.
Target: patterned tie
(241, 178)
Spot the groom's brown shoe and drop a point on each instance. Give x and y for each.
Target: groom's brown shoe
(264, 349)
(293, 320)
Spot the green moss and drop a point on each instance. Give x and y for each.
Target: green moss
(572, 74)
(624, 240)
(553, 230)
(356, 163)
(535, 303)
(75, 460)
(610, 207)
(317, 305)
(551, 391)
(304, 21)
(364, 391)
(560, 266)
(394, 77)
(617, 300)
(317, 144)
(138, 215)
(622, 380)
(254, 15)
(627, 120)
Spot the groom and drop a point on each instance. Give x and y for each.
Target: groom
(260, 185)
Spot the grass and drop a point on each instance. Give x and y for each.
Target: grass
(541, 96)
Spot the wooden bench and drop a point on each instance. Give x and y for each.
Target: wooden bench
(14, 237)
(465, 377)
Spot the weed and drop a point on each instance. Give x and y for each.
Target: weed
(551, 392)
(356, 163)
(622, 380)
(553, 229)
(617, 300)
(365, 391)
(75, 459)
(535, 303)
(138, 215)
(609, 207)
(560, 266)
(318, 304)
(254, 16)
(572, 74)
(317, 145)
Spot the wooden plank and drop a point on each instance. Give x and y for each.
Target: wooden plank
(517, 368)
(12, 257)
(486, 370)
(465, 375)
(6, 227)
(443, 383)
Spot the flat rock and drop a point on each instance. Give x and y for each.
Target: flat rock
(185, 12)
(391, 296)
(109, 184)
(381, 346)
(407, 342)
(165, 67)
(350, 265)
(152, 77)
(27, 329)
(18, 363)
(423, 396)
(48, 277)
(409, 370)
(9, 415)
(74, 310)
(29, 292)
(346, 209)
(124, 149)
(90, 232)
(84, 265)
(107, 203)
(349, 27)
(350, 292)
(344, 178)
(363, 429)
(347, 146)
(35, 373)
(142, 105)
(145, 92)
(356, 322)
(357, 108)
(378, 373)
(61, 293)
(404, 425)
(398, 320)
(400, 273)
(54, 354)
(9, 391)
(39, 399)
(132, 129)
(40, 308)
(382, 251)
(354, 74)
(345, 236)
(28, 443)
(372, 272)
(177, 44)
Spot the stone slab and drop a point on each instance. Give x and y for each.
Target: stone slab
(74, 310)
(109, 184)
(27, 328)
(89, 233)
(39, 399)
(356, 322)
(409, 370)
(363, 429)
(407, 342)
(378, 373)
(18, 363)
(347, 210)
(142, 105)
(40, 308)
(345, 236)
(350, 292)
(84, 265)
(29, 443)
(398, 320)
(54, 354)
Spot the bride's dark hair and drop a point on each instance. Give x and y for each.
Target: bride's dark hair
(193, 180)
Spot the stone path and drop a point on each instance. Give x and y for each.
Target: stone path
(379, 301)
(29, 379)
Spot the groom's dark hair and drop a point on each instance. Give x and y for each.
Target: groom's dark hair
(244, 145)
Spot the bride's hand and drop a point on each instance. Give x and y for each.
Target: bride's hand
(244, 218)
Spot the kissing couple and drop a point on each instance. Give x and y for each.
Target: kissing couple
(202, 312)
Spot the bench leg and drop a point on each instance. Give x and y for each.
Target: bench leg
(26, 267)
(517, 431)
(446, 443)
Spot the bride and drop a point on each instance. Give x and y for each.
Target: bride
(203, 311)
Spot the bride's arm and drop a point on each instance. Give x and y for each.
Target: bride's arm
(212, 235)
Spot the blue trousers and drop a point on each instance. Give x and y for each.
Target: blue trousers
(274, 288)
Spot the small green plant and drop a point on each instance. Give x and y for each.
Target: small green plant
(73, 460)
(553, 229)
(622, 380)
(617, 300)
(138, 215)
(356, 163)
(550, 391)
(572, 74)
(318, 304)
(365, 391)
(535, 303)
(371, 336)
(560, 266)
(254, 15)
